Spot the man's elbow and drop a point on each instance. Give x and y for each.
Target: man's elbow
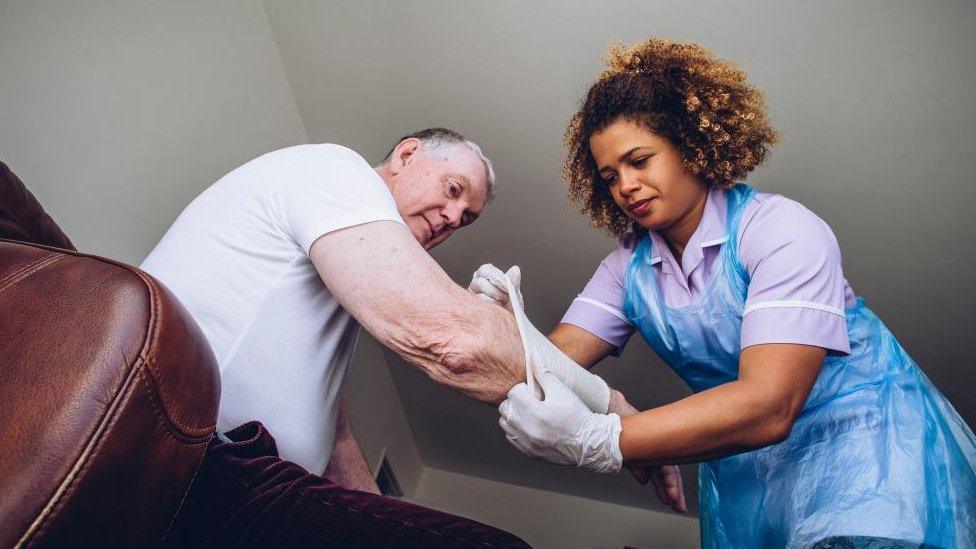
(443, 353)
(463, 363)
(468, 352)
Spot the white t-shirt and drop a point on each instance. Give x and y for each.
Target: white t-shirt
(237, 258)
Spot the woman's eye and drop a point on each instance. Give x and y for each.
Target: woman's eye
(638, 162)
(609, 179)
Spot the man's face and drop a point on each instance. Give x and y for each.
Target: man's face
(437, 191)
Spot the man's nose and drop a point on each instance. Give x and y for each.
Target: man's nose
(452, 214)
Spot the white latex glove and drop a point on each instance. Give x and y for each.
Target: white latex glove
(560, 429)
(488, 283)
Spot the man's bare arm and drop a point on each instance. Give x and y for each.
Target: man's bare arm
(391, 285)
(347, 466)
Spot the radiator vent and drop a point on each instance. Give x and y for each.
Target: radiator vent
(387, 481)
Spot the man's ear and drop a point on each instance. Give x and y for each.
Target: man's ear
(403, 154)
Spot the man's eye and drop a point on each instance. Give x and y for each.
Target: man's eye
(455, 190)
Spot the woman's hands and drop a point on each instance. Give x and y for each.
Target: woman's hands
(560, 428)
(488, 283)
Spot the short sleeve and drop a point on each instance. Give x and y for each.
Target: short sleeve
(325, 188)
(598, 309)
(796, 288)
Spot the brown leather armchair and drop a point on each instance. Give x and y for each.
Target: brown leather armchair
(108, 391)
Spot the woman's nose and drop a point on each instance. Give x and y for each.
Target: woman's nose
(628, 183)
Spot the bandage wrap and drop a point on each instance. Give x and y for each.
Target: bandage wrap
(541, 354)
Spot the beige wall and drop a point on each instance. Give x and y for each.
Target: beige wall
(116, 114)
(549, 520)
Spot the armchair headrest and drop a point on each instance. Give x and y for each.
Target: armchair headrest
(22, 217)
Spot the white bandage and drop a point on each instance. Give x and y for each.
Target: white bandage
(541, 354)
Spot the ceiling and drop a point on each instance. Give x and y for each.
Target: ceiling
(873, 100)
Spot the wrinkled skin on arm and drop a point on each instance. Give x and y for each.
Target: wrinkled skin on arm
(395, 289)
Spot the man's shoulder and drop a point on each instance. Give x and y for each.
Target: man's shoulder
(317, 152)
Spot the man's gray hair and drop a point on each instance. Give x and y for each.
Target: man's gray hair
(439, 138)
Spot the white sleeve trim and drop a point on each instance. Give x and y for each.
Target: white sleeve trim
(790, 304)
(605, 307)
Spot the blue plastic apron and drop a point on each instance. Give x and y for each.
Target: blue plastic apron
(877, 450)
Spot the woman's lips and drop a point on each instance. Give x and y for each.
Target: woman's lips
(640, 207)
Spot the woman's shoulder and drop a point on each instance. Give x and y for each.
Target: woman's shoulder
(776, 212)
(766, 202)
(770, 221)
(617, 260)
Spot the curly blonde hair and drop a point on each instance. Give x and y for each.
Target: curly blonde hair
(703, 105)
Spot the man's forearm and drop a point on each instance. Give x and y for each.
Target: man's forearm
(400, 295)
(347, 466)
(460, 341)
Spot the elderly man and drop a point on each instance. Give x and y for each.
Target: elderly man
(280, 262)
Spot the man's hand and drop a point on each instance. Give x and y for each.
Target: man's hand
(666, 479)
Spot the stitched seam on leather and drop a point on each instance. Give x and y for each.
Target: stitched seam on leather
(84, 461)
(41, 522)
(159, 408)
(153, 328)
(67, 486)
(149, 352)
(27, 270)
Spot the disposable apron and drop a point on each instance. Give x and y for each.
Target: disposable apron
(877, 450)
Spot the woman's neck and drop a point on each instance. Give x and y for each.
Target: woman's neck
(679, 233)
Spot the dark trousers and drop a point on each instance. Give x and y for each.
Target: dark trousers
(245, 495)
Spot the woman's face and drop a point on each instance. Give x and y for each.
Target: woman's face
(646, 177)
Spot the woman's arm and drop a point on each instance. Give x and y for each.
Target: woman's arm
(583, 347)
(587, 350)
(754, 411)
